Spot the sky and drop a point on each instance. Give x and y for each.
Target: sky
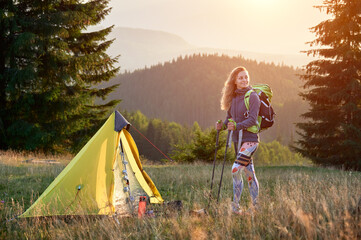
(265, 26)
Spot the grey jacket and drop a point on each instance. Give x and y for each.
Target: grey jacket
(238, 111)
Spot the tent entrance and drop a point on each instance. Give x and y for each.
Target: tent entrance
(127, 190)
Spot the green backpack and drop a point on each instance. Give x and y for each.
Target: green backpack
(266, 113)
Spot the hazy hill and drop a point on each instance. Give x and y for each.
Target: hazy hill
(189, 89)
(140, 47)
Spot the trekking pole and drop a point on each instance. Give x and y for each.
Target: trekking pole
(214, 166)
(224, 160)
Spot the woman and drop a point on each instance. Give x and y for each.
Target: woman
(233, 93)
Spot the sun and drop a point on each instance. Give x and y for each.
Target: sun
(261, 5)
(260, 2)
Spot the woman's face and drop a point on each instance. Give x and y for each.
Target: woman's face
(242, 80)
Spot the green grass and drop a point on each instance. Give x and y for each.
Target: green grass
(295, 203)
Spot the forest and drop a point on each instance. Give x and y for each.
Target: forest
(58, 85)
(169, 142)
(188, 90)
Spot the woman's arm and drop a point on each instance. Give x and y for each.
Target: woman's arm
(228, 117)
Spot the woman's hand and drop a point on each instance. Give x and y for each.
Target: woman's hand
(231, 126)
(219, 125)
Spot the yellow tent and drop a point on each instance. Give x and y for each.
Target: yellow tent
(106, 177)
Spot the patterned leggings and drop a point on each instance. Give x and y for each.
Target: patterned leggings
(244, 163)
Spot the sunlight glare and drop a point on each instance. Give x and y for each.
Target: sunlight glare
(259, 3)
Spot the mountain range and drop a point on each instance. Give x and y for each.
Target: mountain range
(188, 89)
(140, 48)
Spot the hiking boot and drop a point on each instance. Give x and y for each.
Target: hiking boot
(240, 212)
(235, 207)
(252, 210)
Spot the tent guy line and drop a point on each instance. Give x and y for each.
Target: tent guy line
(151, 143)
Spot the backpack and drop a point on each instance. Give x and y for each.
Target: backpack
(266, 113)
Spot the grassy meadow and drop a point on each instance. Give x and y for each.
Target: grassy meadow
(296, 202)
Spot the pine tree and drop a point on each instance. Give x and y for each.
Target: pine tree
(51, 65)
(332, 135)
(6, 10)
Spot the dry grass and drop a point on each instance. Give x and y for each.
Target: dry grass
(295, 203)
(15, 158)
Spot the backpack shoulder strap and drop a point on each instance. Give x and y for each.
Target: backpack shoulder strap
(246, 98)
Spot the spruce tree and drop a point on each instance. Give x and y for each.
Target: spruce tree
(332, 134)
(51, 67)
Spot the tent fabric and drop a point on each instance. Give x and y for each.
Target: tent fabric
(131, 150)
(120, 122)
(86, 185)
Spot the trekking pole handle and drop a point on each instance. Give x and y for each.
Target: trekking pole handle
(234, 122)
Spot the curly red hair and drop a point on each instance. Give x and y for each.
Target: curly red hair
(229, 88)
